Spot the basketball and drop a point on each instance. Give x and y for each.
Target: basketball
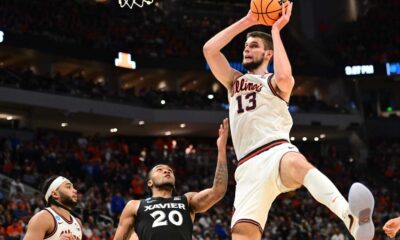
(267, 11)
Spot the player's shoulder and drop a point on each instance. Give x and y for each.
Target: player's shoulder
(44, 213)
(237, 75)
(189, 195)
(43, 219)
(133, 206)
(133, 203)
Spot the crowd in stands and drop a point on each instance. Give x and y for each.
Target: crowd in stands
(166, 29)
(174, 29)
(78, 86)
(121, 166)
(373, 38)
(148, 32)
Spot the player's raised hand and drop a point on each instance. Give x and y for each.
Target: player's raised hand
(252, 18)
(392, 227)
(284, 19)
(223, 133)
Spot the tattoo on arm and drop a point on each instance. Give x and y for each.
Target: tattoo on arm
(221, 175)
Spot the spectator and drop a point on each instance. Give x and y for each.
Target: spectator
(337, 235)
(14, 230)
(117, 203)
(16, 187)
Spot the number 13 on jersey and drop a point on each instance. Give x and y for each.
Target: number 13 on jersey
(251, 102)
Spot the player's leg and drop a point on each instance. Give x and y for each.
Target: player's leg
(246, 231)
(255, 192)
(295, 171)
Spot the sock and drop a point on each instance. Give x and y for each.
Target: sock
(325, 192)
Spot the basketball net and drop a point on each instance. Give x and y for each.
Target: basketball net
(132, 3)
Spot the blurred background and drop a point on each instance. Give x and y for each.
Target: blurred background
(100, 94)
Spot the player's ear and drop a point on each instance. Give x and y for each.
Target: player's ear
(268, 54)
(55, 195)
(150, 183)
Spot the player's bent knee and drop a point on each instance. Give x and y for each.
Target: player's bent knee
(294, 166)
(246, 231)
(296, 161)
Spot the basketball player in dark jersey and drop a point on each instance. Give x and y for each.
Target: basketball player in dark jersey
(164, 216)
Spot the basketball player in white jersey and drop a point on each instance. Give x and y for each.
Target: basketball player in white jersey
(260, 124)
(56, 221)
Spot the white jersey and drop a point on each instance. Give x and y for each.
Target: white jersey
(63, 226)
(257, 115)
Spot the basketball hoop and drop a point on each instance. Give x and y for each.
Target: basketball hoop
(132, 3)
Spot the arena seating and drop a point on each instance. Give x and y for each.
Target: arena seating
(121, 164)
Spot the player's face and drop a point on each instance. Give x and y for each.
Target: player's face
(68, 195)
(254, 53)
(162, 176)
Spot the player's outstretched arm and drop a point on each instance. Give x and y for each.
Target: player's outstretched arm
(282, 68)
(125, 230)
(202, 201)
(392, 227)
(219, 65)
(39, 225)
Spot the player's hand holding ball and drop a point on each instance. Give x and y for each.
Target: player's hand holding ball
(270, 12)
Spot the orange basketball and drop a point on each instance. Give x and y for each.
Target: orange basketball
(267, 11)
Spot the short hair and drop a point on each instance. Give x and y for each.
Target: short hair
(151, 170)
(149, 174)
(45, 187)
(265, 37)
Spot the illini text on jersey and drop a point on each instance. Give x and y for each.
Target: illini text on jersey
(242, 85)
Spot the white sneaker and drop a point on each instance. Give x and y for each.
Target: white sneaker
(361, 204)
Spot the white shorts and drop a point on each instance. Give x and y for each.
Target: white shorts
(258, 183)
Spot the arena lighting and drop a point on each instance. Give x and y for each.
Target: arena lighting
(210, 96)
(114, 130)
(7, 116)
(163, 102)
(168, 133)
(1, 36)
(124, 60)
(292, 138)
(141, 123)
(392, 69)
(182, 125)
(316, 139)
(304, 139)
(322, 136)
(64, 124)
(359, 70)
